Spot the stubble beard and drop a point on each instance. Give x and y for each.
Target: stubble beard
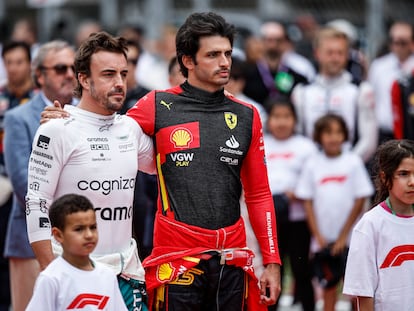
(105, 100)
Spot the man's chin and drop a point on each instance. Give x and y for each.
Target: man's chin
(117, 106)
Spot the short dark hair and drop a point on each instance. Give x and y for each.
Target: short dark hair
(171, 64)
(238, 69)
(11, 45)
(96, 42)
(66, 205)
(324, 122)
(135, 44)
(277, 101)
(199, 25)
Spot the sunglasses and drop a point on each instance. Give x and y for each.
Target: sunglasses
(60, 69)
(400, 42)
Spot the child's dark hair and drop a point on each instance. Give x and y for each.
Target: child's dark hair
(324, 123)
(66, 205)
(387, 159)
(276, 101)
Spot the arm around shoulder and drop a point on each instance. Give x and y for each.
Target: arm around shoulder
(44, 295)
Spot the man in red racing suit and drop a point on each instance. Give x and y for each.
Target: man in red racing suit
(208, 148)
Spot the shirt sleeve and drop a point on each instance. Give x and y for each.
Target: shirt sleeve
(45, 165)
(361, 277)
(258, 197)
(145, 150)
(44, 294)
(143, 112)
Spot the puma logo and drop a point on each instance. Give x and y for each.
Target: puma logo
(166, 105)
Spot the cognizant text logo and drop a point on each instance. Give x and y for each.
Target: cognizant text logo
(107, 186)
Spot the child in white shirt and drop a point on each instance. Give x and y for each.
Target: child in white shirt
(380, 266)
(73, 280)
(334, 184)
(286, 152)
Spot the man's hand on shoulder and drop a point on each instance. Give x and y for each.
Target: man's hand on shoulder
(53, 112)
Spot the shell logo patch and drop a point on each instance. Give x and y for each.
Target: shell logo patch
(181, 138)
(165, 272)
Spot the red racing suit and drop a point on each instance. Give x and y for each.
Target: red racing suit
(402, 99)
(208, 148)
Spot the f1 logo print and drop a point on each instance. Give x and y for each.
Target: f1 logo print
(83, 300)
(398, 255)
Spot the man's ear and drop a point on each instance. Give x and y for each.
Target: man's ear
(57, 234)
(38, 77)
(84, 81)
(188, 62)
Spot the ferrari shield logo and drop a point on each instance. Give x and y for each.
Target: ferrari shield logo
(231, 119)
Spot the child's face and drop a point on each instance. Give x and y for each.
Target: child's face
(281, 122)
(332, 139)
(402, 190)
(80, 235)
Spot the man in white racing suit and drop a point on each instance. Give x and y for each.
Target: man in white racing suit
(334, 91)
(95, 152)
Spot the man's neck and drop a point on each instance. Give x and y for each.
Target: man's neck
(20, 89)
(273, 62)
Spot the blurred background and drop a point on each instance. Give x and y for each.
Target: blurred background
(60, 18)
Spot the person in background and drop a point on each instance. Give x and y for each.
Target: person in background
(308, 27)
(152, 70)
(84, 29)
(18, 90)
(83, 281)
(208, 147)
(145, 184)
(4, 37)
(286, 154)
(384, 70)
(272, 75)
(334, 185)
(253, 49)
(25, 30)
(52, 69)
(357, 63)
(134, 89)
(95, 153)
(334, 91)
(236, 85)
(175, 76)
(402, 101)
(380, 266)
